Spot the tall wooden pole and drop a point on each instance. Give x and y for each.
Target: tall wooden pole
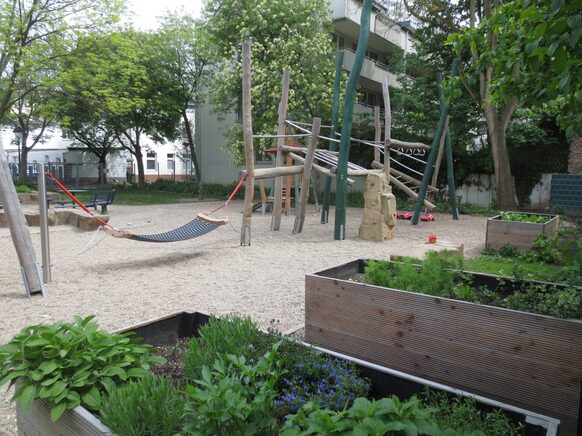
(245, 233)
(280, 161)
(387, 127)
(437, 165)
(304, 195)
(342, 168)
(377, 133)
(19, 229)
(434, 150)
(339, 62)
(451, 177)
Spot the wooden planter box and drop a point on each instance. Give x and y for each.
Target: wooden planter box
(527, 360)
(518, 234)
(163, 331)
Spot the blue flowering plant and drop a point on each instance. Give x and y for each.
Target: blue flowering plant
(329, 383)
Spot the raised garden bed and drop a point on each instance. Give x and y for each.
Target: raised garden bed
(519, 234)
(167, 330)
(527, 360)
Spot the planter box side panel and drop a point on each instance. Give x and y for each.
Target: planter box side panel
(520, 235)
(527, 360)
(36, 422)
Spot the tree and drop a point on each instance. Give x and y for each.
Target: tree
(34, 35)
(119, 87)
(293, 35)
(545, 38)
(180, 47)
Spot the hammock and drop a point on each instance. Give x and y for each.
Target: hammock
(199, 226)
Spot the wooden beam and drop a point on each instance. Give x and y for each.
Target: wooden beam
(19, 229)
(405, 188)
(318, 168)
(268, 173)
(395, 143)
(304, 194)
(437, 165)
(408, 178)
(245, 233)
(279, 162)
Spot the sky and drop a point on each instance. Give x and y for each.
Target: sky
(146, 11)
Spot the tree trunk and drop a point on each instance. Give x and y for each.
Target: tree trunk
(190, 138)
(496, 127)
(23, 170)
(102, 180)
(140, 168)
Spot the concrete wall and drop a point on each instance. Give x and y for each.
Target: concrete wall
(216, 165)
(480, 191)
(575, 156)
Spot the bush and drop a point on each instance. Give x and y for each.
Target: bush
(71, 364)
(234, 397)
(150, 406)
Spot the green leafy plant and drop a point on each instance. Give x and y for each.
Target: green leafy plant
(523, 217)
(234, 397)
(461, 414)
(544, 250)
(148, 406)
(365, 417)
(71, 364)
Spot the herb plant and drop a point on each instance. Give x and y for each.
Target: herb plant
(365, 417)
(149, 406)
(234, 397)
(70, 364)
(523, 217)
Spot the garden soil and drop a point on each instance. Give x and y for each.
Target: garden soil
(125, 282)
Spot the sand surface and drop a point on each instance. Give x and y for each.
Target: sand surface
(126, 282)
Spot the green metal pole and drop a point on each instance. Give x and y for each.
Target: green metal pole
(451, 176)
(339, 63)
(342, 167)
(434, 148)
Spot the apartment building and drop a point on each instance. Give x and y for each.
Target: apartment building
(387, 39)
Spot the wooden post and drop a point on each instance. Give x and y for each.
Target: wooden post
(342, 166)
(19, 229)
(280, 160)
(437, 165)
(377, 133)
(245, 233)
(451, 178)
(339, 62)
(288, 183)
(301, 207)
(432, 155)
(388, 126)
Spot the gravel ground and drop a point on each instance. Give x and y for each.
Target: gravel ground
(126, 282)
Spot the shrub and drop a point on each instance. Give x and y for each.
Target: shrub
(70, 364)
(149, 406)
(234, 397)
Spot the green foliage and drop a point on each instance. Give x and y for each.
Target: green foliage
(288, 35)
(149, 406)
(433, 277)
(543, 37)
(462, 415)
(234, 397)
(231, 335)
(365, 417)
(23, 189)
(524, 217)
(544, 250)
(70, 364)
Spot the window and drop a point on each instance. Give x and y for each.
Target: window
(151, 161)
(171, 166)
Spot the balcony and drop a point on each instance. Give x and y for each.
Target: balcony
(371, 69)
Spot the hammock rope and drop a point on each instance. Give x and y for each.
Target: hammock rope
(199, 226)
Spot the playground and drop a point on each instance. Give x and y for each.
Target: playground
(125, 282)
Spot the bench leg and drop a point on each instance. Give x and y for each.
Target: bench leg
(103, 208)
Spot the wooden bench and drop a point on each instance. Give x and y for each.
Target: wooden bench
(102, 199)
